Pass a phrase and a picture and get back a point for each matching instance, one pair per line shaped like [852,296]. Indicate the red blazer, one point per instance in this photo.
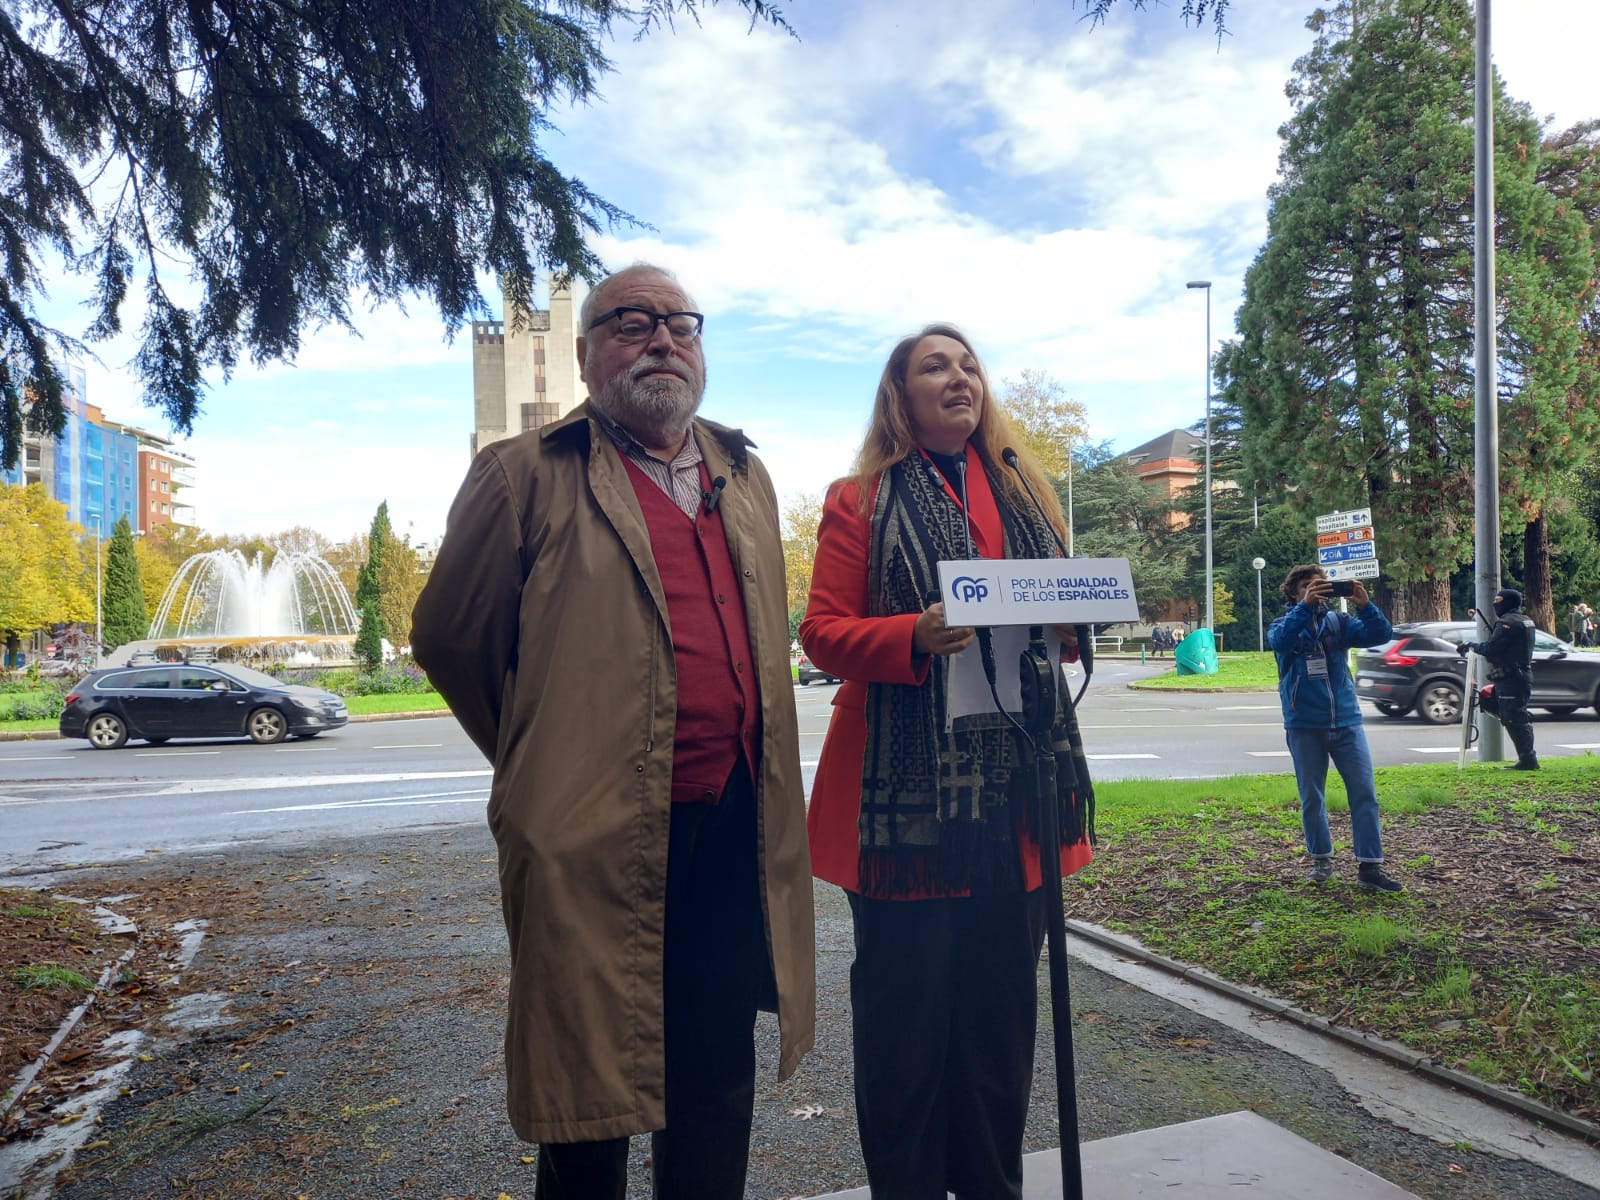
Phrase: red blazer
[842,639]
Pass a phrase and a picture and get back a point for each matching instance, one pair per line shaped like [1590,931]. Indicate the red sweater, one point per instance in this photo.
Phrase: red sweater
[718,709]
[841,638]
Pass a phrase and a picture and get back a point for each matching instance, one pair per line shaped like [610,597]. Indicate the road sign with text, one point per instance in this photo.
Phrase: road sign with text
[1346,545]
[1354,552]
[1353,518]
[1365,569]
[1340,536]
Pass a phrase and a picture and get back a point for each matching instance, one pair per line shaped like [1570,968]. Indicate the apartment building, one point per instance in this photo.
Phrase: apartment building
[104,470]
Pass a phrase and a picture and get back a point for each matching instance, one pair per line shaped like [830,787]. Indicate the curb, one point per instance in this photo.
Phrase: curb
[47,735]
[1383,1048]
[31,1072]
[1139,685]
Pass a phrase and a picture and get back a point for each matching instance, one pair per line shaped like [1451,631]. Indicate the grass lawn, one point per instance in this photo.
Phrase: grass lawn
[408,702]
[1486,962]
[1247,669]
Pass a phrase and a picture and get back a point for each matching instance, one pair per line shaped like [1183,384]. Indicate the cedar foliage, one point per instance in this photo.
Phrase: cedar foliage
[248,166]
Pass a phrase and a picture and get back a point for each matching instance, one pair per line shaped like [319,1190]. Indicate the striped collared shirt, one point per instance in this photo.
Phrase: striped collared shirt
[679,478]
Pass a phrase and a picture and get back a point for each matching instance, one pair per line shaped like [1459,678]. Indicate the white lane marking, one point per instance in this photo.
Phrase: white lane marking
[1268,753]
[1434,749]
[410,746]
[191,787]
[1105,757]
[38,758]
[1167,726]
[1578,745]
[471,796]
[269,783]
[175,753]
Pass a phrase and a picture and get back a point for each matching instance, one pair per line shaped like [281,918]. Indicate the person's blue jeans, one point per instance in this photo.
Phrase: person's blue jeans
[1312,749]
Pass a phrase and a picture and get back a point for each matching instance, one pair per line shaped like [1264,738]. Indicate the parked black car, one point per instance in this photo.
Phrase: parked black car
[1421,671]
[158,703]
[809,670]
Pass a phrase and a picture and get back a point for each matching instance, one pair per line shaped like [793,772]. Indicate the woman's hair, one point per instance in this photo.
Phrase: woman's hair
[889,437]
[1295,579]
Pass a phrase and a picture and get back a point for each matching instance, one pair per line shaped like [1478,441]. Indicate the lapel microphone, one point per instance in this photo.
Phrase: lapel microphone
[712,498]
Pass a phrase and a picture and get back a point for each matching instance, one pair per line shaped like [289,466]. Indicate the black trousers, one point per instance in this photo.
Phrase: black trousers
[717,970]
[1512,700]
[944,1007]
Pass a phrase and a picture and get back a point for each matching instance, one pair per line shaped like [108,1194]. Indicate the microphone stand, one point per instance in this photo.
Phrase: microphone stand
[1040,681]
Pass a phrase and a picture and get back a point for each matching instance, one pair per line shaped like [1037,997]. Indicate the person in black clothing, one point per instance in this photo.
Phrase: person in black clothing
[1509,652]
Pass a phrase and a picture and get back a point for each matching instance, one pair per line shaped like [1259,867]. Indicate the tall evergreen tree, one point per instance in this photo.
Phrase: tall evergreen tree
[125,617]
[369,591]
[1354,369]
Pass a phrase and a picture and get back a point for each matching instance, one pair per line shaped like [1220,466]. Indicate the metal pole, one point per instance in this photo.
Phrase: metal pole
[1261,636]
[1069,498]
[1486,419]
[99,593]
[1210,588]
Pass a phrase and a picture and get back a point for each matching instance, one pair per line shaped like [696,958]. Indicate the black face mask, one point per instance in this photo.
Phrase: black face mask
[1505,604]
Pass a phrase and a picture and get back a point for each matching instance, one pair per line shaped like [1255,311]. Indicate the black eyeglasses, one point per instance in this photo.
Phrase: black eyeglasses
[639,324]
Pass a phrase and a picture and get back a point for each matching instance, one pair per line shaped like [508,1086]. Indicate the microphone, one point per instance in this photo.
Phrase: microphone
[966,509]
[714,496]
[1085,632]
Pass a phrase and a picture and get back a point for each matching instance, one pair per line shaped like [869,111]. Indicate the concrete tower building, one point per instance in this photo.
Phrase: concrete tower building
[524,378]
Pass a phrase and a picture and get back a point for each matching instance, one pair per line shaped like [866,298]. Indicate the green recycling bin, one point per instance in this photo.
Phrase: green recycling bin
[1197,654]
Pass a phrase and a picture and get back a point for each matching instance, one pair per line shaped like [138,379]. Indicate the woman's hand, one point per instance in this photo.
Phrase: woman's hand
[1359,596]
[932,636]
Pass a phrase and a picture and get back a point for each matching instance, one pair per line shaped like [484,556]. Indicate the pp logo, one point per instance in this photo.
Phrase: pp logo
[968,590]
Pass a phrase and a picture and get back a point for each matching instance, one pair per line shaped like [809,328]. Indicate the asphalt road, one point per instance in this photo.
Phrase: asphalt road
[63,804]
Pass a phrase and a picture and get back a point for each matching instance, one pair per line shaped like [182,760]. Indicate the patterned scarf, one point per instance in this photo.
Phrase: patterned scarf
[938,808]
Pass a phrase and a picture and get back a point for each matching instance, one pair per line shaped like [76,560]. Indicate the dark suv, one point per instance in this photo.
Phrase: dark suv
[1421,670]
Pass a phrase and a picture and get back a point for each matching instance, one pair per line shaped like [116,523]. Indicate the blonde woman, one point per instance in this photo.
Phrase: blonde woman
[928,830]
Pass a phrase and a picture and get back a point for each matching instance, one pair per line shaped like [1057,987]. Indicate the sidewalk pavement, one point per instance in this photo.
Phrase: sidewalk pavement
[338,1035]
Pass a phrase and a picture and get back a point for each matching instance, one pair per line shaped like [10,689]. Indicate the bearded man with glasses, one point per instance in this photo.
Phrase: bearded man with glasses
[608,620]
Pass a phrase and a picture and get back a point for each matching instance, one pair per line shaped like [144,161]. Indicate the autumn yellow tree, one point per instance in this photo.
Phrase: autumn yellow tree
[1044,418]
[800,520]
[44,579]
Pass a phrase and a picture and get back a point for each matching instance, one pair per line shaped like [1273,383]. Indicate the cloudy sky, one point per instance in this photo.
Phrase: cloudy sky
[1047,185]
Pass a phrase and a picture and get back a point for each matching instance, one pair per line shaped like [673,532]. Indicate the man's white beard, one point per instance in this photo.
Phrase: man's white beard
[657,410]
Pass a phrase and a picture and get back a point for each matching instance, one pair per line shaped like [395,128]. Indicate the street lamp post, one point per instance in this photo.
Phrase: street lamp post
[1206,284]
[1069,496]
[99,601]
[1261,637]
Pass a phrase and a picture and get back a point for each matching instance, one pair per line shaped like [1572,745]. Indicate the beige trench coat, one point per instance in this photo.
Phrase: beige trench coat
[544,625]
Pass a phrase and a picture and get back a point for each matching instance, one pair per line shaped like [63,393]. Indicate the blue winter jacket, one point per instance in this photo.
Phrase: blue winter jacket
[1304,632]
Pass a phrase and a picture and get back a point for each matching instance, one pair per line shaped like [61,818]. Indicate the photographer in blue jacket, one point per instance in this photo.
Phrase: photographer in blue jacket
[1322,717]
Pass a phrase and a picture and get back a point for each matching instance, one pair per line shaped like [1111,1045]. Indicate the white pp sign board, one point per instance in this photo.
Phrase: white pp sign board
[1037,591]
[1346,547]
